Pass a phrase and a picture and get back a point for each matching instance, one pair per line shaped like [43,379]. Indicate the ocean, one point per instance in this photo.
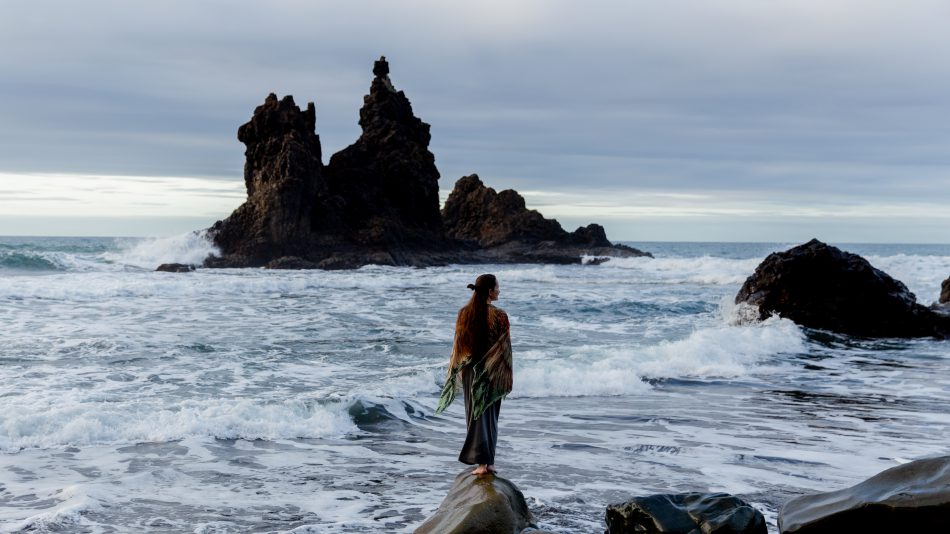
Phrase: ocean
[250,400]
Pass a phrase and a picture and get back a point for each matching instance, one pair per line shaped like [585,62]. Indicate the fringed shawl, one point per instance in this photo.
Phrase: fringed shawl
[493,371]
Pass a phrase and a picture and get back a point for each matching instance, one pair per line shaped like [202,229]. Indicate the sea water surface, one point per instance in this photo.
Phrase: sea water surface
[249,400]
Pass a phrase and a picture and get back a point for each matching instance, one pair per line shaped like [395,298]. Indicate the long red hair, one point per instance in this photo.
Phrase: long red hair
[471,329]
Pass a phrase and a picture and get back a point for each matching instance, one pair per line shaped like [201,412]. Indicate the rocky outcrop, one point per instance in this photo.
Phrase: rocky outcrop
[945,292]
[479,505]
[283,177]
[175,268]
[501,225]
[687,513]
[386,182]
[914,497]
[377,200]
[820,286]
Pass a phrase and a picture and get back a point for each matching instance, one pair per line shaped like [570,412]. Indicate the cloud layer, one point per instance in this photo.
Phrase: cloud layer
[786,108]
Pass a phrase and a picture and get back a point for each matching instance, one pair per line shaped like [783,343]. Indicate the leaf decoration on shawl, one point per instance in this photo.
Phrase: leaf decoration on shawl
[493,372]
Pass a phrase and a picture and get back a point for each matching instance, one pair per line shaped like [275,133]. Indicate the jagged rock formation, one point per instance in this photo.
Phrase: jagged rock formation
[283,176]
[476,213]
[914,497]
[387,181]
[377,200]
[945,292]
[820,286]
[501,225]
[479,504]
[686,513]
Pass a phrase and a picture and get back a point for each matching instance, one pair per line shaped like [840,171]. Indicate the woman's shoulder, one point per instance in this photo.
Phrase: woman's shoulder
[498,314]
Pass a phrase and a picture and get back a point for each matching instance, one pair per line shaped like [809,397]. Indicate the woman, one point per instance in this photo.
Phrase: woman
[481,365]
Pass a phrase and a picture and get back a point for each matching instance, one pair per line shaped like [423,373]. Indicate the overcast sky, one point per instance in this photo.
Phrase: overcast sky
[732,120]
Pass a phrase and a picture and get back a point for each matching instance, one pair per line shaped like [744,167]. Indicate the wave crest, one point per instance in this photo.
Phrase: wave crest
[190,248]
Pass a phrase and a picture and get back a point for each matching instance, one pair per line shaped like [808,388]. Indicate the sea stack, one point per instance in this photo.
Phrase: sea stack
[283,177]
[387,180]
[377,200]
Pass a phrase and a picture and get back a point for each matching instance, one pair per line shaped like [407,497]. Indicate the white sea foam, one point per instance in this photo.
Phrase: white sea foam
[70,422]
[921,274]
[717,352]
[67,514]
[707,270]
[140,371]
[190,248]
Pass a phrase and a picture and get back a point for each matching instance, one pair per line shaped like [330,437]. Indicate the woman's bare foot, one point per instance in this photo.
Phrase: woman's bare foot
[480,470]
[491,469]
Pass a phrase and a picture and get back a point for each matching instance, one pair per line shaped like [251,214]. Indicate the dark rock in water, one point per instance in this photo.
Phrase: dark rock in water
[290,262]
[503,227]
[175,268]
[688,513]
[377,196]
[591,235]
[283,177]
[914,497]
[945,292]
[820,286]
[386,182]
[377,200]
[486,504]
[476,213]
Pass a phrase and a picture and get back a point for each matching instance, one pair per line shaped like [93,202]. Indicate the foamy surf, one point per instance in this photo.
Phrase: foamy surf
[276,401]
[148,253]
[73,422]
[716,352]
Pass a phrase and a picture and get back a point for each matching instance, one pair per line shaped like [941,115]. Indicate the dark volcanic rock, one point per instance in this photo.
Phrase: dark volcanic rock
[175,268]
[476,213]
[485,504]
[282,174]
[387,181]
[945,292]
[690,513]
[501,225]
[376,201]
[820,286]
[914,497]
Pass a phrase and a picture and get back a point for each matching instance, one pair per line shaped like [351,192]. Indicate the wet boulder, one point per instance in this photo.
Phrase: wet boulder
[485,504]
[175,268]
[914,497]
[820,286]
[685,513]
[945,292]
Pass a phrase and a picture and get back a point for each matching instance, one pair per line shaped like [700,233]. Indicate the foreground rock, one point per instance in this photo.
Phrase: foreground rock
[479,505]
[375,202]
[504,229]
[175,268]
[689,513]
[820,286]
[914,497]
[945,292]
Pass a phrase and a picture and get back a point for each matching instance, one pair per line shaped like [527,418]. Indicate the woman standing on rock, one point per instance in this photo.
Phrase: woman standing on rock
[480,365]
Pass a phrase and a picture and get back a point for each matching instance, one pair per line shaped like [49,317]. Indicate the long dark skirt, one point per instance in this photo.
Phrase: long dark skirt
[479,447]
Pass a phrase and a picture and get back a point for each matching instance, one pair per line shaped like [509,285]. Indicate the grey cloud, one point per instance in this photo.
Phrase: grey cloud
[847,98]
